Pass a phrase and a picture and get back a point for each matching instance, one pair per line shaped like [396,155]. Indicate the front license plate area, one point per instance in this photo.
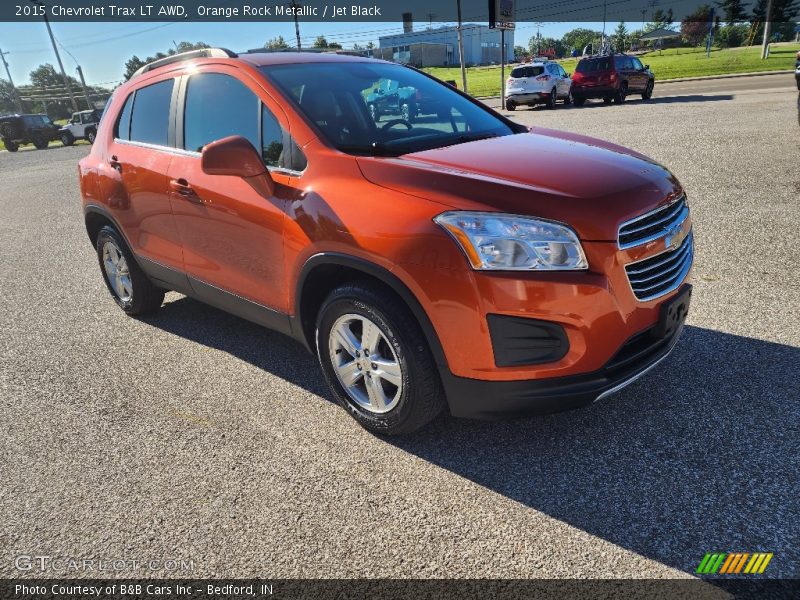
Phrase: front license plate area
[673,313]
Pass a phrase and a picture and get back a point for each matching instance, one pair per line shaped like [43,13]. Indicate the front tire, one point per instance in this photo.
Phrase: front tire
[133,292]
[91,135]
[40,143]
[67,139]
[648,91]
[578,100]
[406,112]
[376,360]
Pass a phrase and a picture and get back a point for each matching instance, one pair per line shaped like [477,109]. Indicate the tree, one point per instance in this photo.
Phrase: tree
[732,36]
[694,26]
[8,103]
[783,15]
[370,45]
[321,42]
[520,52]
[732,11]
[277,43]
[620,37]
[134,62]
[661,20]
[579,38]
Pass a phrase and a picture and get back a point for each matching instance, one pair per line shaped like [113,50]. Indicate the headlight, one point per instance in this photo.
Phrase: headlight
[500,242]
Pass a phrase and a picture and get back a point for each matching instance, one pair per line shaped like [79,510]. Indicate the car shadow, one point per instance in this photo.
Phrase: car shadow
[656,100]
[697,456]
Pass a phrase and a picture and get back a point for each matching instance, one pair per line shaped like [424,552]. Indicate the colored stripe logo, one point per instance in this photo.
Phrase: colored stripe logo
[734,563]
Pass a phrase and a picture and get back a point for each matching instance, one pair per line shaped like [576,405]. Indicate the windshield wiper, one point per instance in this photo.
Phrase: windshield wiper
[463,139]
[374,149]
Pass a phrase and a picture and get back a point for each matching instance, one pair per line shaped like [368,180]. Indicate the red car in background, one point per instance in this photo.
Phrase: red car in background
[612,78]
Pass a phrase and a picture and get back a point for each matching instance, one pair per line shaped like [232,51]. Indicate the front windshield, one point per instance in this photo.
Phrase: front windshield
[382,109]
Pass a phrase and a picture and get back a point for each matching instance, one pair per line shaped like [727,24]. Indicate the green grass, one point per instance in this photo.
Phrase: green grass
[669,64]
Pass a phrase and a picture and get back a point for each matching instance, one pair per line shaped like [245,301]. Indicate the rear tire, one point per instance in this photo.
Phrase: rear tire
[11,146]
[622,93]
[67,139]
[133,292]
[511,105]
[552,101]
[606,99]
[578,100]
[407,113]
[355,315]
[373,112]
[568,99]
[91,135]
[40,143]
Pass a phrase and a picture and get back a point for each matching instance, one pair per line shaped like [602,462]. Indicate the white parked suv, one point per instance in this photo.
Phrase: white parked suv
[82,126]
[538,82]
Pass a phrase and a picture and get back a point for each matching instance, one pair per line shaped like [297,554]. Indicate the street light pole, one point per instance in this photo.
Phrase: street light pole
[58,56]
[461,49]
[17,100]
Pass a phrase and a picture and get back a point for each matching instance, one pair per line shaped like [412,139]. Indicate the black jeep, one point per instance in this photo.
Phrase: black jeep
[16,130]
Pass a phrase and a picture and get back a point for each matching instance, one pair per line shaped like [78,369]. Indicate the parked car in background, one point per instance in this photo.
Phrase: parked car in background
[461,260]
[390,98]
[539,82]
[17,130]
[82,126]
[611,77]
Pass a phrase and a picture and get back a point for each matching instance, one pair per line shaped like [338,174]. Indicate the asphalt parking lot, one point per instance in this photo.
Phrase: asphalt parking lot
[193,435]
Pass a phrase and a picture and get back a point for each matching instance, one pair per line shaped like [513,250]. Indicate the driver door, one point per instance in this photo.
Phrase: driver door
[232,235]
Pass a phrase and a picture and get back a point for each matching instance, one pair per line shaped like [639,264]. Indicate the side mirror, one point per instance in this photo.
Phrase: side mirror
[647,67]
[569,75]
[234,156]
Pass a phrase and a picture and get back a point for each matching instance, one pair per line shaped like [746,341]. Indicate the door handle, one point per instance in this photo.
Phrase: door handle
[181,187]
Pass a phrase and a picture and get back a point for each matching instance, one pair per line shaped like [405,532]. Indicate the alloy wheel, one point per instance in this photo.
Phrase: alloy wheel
[365,363]
[117,271]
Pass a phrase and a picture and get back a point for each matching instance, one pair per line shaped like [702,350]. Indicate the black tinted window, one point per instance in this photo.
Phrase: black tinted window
[123,128]
[593,65]
[277,147]
[218,106]
[150,116]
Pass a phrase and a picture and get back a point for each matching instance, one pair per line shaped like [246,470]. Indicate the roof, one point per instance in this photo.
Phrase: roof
[660,34]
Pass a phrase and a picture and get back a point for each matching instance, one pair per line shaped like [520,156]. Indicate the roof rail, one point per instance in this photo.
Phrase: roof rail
[175,58]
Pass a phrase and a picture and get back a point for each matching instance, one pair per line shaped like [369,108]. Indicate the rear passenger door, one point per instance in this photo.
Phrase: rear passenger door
[133,175]
[232,235]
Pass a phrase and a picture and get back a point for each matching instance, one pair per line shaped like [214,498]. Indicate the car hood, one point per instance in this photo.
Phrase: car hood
[587,183]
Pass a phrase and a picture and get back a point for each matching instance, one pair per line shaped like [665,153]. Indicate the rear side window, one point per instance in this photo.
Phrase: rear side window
[150,115]
[122,130]
[218,106]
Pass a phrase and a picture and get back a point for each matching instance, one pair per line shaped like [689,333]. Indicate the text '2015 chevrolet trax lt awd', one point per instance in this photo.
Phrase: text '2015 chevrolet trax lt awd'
[457,260]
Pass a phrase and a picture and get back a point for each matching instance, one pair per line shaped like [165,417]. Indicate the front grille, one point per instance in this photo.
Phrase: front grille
[662,273]
[652,225]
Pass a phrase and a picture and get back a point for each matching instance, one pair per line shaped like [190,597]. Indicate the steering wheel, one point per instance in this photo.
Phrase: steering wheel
[394,122]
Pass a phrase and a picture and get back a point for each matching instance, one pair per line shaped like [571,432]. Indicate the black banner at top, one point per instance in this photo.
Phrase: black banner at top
[421,11]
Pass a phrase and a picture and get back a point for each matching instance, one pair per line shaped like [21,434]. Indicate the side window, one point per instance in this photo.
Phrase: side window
[216,107]
[150,115]
[637,64]
[122,130]
[277,147]
[619,63]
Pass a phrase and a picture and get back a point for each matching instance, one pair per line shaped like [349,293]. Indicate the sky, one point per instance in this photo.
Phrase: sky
[102,48]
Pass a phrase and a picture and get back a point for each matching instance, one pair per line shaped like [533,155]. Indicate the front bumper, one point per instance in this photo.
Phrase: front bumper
[483,399]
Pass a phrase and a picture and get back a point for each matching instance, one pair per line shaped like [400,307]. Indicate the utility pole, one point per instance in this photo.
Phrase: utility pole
[603,41]
[17,100]
[85,89]
[58,56]
[461,49]
[767,23]
[294,4]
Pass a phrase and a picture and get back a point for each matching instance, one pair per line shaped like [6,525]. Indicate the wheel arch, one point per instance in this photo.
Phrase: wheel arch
[324,271]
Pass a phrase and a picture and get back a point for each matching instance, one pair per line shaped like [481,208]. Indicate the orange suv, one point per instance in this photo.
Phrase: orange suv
[458,260]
